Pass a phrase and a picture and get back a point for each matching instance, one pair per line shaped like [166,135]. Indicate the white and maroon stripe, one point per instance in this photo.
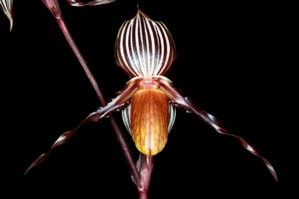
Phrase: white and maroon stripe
[144,47]
[6,5]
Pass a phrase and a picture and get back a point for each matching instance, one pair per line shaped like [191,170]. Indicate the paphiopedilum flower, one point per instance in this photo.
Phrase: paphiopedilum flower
[145,50]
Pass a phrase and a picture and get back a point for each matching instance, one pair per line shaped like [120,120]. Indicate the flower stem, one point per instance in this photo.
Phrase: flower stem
[53,6]
[145,165]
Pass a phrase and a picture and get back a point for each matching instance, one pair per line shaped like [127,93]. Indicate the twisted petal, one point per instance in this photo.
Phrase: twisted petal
[53,5]
[92,3]
[116,103]
[6,6]
[93,117]
[144,47]
[209,119]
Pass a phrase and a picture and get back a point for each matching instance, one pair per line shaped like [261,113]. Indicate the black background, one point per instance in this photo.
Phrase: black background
[231,62]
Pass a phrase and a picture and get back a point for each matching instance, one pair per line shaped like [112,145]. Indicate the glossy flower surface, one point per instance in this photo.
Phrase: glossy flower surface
[145,50]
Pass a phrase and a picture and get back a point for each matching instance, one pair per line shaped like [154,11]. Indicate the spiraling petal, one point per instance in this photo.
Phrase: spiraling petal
[62,139]
[114,104]
[92,3]
[6,6]
[144,47]
[53,5]
[209,119]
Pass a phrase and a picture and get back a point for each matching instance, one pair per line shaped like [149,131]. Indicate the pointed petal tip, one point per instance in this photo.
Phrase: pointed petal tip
[275,177]
[11,24]
[40,159]
[139,11]
[270,168]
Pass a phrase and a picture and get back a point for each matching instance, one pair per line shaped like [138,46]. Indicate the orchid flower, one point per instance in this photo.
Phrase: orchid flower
[145,50]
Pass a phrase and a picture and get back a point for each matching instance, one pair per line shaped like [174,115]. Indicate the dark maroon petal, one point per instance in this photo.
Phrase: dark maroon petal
[208,118]
[93,117]
[115,104]
[53,5]
[91,3]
